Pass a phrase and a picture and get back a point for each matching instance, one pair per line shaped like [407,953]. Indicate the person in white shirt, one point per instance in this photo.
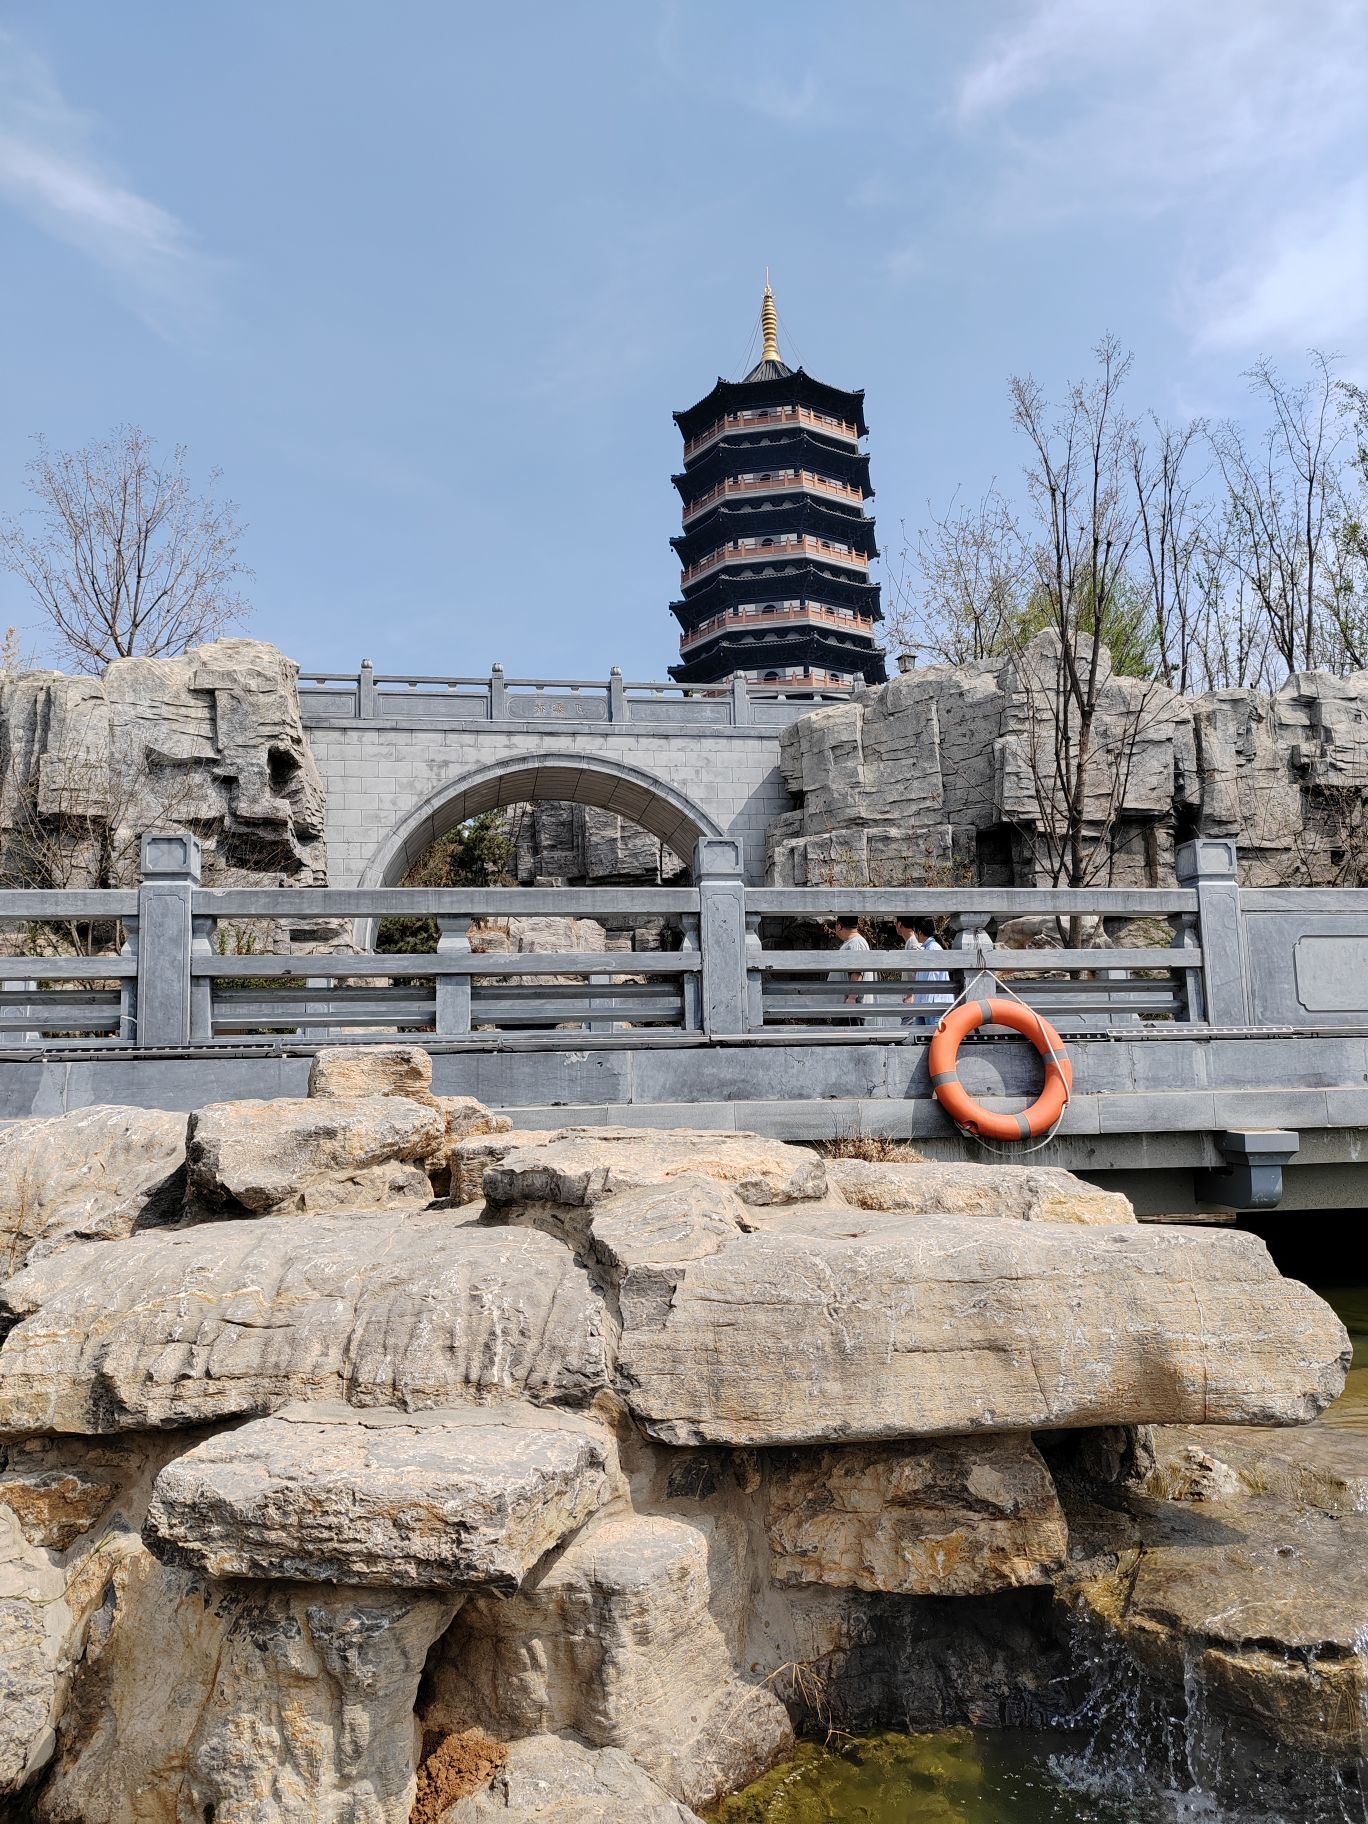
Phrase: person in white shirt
[918,933]
[848,930]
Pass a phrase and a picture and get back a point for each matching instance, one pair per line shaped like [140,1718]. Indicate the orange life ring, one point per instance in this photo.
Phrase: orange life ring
[1053,1099]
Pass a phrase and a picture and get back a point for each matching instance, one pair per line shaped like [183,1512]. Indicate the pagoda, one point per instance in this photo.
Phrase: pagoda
[776,545]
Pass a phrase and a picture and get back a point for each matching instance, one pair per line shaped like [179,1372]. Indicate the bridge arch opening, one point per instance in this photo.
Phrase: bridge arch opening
[608,785]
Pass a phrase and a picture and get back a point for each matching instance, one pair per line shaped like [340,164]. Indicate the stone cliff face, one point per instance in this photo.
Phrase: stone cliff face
[606,1470]
[942,776]
[212,741]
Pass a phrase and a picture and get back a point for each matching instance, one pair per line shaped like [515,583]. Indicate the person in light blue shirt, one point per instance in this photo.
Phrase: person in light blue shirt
[918,933]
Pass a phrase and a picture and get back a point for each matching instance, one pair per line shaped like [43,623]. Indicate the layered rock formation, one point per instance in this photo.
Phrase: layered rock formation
[665,1446]
[212,741]
[946,775]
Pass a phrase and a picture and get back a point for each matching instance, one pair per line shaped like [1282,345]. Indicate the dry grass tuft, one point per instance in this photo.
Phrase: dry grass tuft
[878,1149]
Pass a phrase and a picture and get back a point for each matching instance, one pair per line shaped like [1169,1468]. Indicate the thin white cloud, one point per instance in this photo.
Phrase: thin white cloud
[50,173]
[1239,121]
[1303,280]
[792,104]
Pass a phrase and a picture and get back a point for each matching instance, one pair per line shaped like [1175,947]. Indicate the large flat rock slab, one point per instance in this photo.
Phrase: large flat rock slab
[828,1325]
[578,1169]
[1021,1193]
[314,1153]
[95,1175]
[449,1500]
[233,1319]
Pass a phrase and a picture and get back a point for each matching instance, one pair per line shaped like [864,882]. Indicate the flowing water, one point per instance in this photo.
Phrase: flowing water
[1125,1767]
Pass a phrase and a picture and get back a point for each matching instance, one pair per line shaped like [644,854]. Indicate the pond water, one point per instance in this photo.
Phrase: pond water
[1350,1411]
[961,1776]
[982,1776]
[971,1776]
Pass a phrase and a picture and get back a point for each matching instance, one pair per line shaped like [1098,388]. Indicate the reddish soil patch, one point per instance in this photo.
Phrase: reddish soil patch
[452,1767]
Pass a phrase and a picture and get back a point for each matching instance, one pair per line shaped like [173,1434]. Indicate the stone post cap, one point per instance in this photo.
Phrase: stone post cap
[714,855]
[171,855]
[1208,858]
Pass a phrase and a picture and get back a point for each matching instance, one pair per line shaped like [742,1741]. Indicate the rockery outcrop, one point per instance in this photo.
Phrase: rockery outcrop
[366,1459]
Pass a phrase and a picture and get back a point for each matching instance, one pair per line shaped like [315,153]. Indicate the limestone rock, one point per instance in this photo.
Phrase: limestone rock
[371,1070]
[580,1169]
[468,1119]
[212,741]
[93,1175]
[958,1517]
[69,1513]
[55,1505]
[35,1623]
[553,1779]
[237,1318]
[323,1153]
[941,769]
[617,1640]
[1025,1193]
[1248,1605]
[452,1500]
[840,1325]
[470,1157]
[242,1702]
[311,1712]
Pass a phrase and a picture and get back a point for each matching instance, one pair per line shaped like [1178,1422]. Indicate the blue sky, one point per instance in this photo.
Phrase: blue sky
[426,280]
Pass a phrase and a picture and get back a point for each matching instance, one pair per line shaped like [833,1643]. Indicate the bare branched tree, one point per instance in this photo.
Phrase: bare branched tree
[1283,491]
[960,595]
[122,556]
[1087,516]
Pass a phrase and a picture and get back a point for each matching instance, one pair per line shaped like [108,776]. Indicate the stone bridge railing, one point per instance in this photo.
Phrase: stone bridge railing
[371,696]
[1206,954]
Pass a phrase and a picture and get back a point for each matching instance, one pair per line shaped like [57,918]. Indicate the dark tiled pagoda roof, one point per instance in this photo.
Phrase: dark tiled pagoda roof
[732,519]
[816,647]
[773,447]
[795,388]
[800,579]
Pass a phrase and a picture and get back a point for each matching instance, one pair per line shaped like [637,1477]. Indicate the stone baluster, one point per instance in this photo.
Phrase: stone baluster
[453,991]
[1189,981]
[691,985]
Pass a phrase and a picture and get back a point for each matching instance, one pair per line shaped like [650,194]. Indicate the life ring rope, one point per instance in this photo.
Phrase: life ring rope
[1037,1122]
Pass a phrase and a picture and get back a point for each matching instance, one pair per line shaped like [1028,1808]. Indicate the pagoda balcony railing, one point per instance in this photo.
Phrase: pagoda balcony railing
[848,619]
[783,544]
[777,414]
[787,483]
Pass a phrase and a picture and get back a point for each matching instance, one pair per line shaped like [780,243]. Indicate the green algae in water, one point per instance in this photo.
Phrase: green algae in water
[951,1777]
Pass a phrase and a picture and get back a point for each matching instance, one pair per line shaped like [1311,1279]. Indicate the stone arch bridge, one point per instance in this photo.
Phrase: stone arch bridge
[406,759]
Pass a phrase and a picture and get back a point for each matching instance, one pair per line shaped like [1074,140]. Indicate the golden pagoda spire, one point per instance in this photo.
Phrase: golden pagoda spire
[769,322]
